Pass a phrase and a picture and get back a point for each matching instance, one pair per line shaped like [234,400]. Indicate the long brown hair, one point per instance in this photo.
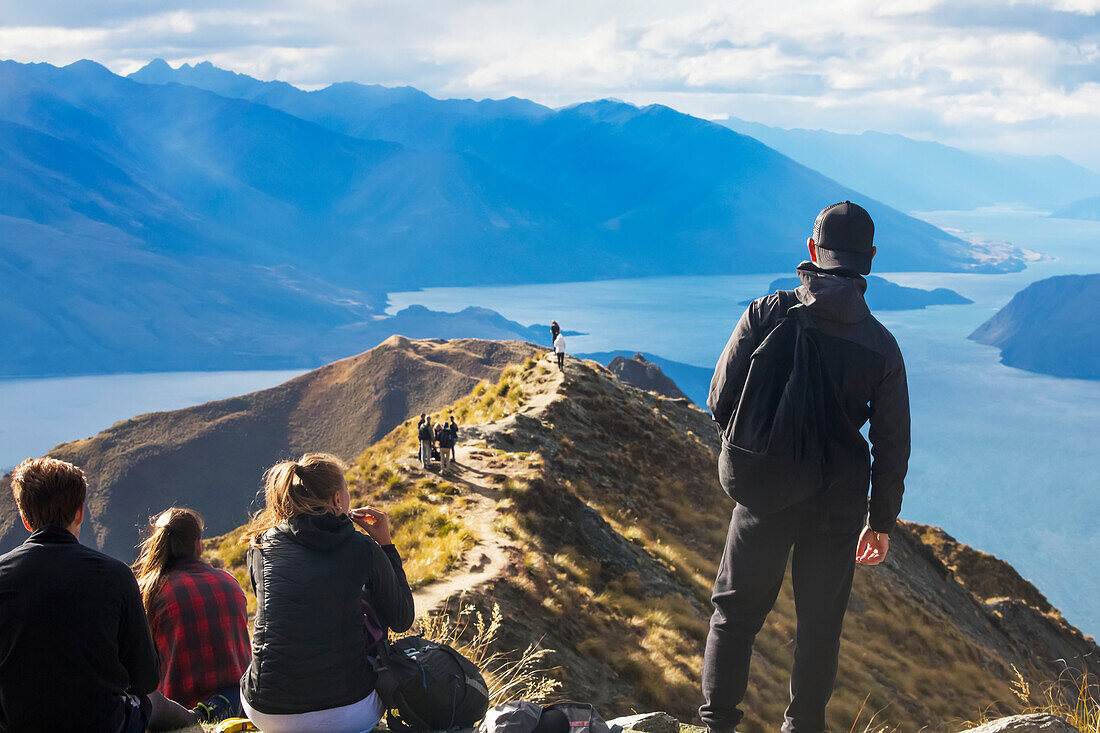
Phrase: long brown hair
[174,536]
[305,486]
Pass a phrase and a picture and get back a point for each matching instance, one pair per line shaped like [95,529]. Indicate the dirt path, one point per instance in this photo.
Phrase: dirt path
[478,474]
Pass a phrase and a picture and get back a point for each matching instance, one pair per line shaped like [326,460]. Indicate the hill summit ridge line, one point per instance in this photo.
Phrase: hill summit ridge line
[586,509]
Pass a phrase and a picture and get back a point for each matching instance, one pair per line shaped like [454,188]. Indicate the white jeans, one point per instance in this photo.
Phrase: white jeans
[359,717]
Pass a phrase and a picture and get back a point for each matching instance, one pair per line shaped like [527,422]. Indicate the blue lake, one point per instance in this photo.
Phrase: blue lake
[1002,459]
[37,414]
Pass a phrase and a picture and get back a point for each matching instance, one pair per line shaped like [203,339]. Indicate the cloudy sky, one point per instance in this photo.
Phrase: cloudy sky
[1014,76]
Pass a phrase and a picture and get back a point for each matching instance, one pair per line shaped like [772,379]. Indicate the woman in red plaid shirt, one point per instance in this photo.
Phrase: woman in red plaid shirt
[198,617]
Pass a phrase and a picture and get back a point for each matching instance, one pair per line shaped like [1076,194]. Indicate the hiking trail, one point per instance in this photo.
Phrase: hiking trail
[479,473]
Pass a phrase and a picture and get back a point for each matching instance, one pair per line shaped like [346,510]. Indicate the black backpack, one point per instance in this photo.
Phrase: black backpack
[775,447]
[430,687]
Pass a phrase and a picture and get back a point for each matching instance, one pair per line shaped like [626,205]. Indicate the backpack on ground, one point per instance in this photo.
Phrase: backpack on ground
[527,717]
[430,687]
[774,449]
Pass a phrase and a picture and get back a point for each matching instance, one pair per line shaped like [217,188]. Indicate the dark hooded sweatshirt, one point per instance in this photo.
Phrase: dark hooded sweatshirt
[865,363]
[309,648]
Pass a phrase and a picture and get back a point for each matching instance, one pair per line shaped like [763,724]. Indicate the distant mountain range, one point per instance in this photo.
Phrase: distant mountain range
[917,175]
[166,226]
[1049,327]
[1086,208]
[883,295]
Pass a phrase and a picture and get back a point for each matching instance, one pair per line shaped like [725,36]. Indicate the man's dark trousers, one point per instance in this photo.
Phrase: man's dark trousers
[749,578]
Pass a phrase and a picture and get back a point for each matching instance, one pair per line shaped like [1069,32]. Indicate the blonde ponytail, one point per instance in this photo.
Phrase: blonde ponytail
[174,535]
[305,486]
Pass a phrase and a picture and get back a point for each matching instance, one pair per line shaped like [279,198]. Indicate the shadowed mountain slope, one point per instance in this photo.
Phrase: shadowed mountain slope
[672,191]
[1049,327]
[211,457]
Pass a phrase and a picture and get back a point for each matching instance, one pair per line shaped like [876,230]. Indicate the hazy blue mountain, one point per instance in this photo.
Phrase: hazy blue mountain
[916,175]
[692,380]
[669,193]
[165,226]
[1049,327]
[1087,208]
[883,295]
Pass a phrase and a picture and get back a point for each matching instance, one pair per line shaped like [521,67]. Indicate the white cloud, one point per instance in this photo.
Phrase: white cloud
[1024,71]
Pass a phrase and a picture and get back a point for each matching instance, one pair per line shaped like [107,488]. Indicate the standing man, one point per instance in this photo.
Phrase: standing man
[559,350]
[75,647]
[857,353]
[443,440]
[453,426]
[424,434]
[555,329]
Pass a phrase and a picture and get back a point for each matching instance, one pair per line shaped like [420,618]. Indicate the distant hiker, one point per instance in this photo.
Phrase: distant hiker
[425,435]
[75,649]
[198,616]
[454,436]
[446,445]
[827,366]
[312,573]
[559,350]
[555,330]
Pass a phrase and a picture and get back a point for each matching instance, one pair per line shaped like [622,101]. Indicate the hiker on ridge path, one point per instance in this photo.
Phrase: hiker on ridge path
[453,427]
[559,350]
[816,358]
[555,329]
[425,435]
[443,440]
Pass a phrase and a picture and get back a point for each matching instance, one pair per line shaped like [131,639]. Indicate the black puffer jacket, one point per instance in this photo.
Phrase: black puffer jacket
[865,363]
[309,649]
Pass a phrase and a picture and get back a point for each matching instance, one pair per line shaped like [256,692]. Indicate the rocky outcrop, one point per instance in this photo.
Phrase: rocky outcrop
[639,372]
[1035,723]
[648,723]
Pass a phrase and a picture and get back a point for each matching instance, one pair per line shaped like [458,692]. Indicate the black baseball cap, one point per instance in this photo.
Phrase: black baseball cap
[844,237]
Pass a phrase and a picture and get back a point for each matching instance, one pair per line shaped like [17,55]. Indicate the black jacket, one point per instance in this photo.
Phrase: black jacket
[309,648]
[73,637]
[865,363]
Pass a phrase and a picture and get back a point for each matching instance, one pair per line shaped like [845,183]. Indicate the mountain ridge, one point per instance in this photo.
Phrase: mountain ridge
[613,520]
[925,175]
[613,524]
[125,194]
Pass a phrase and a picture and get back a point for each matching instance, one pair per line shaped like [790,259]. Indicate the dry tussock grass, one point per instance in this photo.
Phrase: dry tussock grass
[509,676]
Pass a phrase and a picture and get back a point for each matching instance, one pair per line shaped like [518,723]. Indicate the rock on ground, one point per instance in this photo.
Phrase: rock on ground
[648,723]
[1035,723]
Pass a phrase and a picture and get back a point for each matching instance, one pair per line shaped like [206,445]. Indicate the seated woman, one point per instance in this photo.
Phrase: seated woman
[312,573]
[198,617]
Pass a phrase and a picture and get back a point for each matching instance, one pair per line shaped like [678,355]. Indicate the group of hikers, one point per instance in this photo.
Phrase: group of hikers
[89,644]
[437,441]
[85,645]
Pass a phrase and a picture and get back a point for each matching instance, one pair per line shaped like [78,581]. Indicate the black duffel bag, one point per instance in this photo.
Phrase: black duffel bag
[430,687]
